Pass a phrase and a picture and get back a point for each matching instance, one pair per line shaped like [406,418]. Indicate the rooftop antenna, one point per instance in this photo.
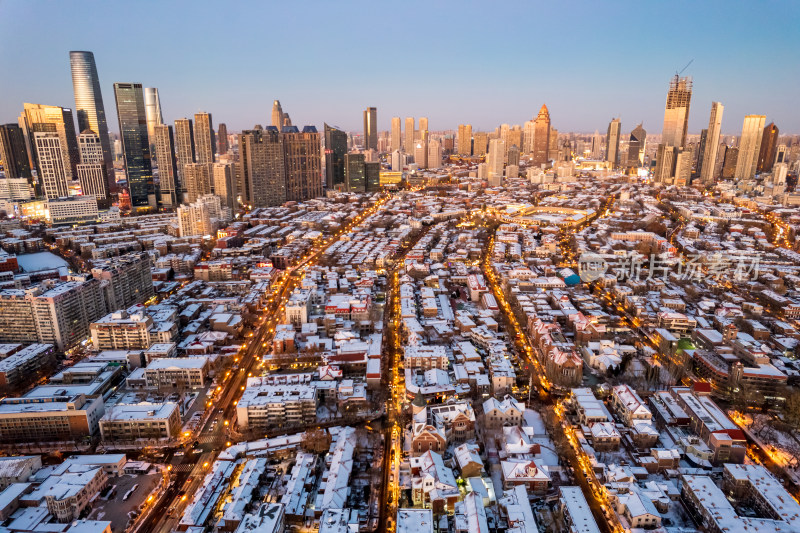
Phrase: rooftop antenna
[684,68]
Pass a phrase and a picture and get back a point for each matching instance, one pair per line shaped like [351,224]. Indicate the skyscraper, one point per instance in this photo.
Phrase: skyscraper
[541,138]
[152,109]
[204,142]
[13,153]
[397,134]
[371,128]
[303,163]
[222,139]
[434,154]
[198,181]
[709,156]
[528,133]
[225,184]
[597,145]
[769,143]
[261,173]
[184,146]
[409,136]
[277,114]
[480,140]
[612,142]
[676,112]
[749,146]
[52,119]
[135,143]
[355,172]
[89,107]
[92,169]
[495,160]
[422,141]
[372,176]
[465,139]
[164,143]
[52,168]
[636,146]
[335,150]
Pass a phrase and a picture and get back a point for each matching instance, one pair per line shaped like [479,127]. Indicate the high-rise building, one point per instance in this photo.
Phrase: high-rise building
[729,163]
[371,128]
[261,173]
[152,110]
[480,142]
[303,163]
[636,146]
[552,150]
[52,168]
[277,114]
[597,145]
[197,180]
[423,137]
[420,154]
[355,172]
[372,176]
[749,146]
[135,143]
[708,158]
[769,144]
[225,184]
[164,143]
[409,136]
[199,217]
[204,142]
[51,119]
[780,154]
[513,138]
[541,138]
[397,134]
[335,150]
[222,139]
[465,139]
[13,153]
[90,109]
[434,154]
[676,112]
[128,277]
[184,146]
[612,142]
[512,156]
[495,160]
[92,169]
[528,133]
[398,160]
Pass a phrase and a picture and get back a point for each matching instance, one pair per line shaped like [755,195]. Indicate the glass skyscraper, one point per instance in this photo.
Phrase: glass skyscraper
[135,143]
[335,150]
[89,107]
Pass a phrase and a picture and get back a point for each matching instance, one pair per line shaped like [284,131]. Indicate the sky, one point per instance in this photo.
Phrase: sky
[484,63]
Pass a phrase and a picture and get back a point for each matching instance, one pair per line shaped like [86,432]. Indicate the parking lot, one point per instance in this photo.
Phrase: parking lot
[118,510]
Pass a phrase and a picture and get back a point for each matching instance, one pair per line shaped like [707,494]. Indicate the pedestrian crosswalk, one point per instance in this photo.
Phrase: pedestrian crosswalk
[183,469]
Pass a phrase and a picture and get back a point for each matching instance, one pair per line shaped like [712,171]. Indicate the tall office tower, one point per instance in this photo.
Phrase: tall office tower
[420,154]
[494,161]
[225,184]
[197,180]
[769,144]
[528,133]
[277,114]
[434,154]
[164,143]
[52,168]
[135,144]
[152,110]
[204,142]
[423,138]
[749,146]
[780,154]
[676,112]
[303,163]
[729,163]
[683,166]
[597,145]
[514,138]
[541,138]
[612,142]
[512,155]
[708,157]
[423,128]
[262,173]
[480,141]
[335,150]
[636,146]
[371,128]
[504,129]
[398,160]
[465,139]
[355,172]
[397,134]
[409,136]
[552,150]
[222,139]
[200,217]
[90,109]
[184,143]
[372,176]
[92,169]
[51,119]
[13,152]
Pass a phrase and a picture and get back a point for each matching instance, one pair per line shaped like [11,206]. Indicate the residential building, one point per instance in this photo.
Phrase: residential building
[205,144]
[140,423]
[303,163]
[261,175]
[749,147]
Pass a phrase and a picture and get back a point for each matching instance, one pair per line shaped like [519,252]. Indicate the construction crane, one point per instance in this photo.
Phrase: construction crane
[684,68]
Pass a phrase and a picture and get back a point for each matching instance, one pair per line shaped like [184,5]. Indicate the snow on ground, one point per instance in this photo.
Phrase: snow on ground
[41,261]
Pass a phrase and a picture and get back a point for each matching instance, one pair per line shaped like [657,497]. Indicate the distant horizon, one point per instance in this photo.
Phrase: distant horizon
[587,71]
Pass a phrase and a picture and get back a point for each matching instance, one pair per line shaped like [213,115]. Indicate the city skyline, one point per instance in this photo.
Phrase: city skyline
[581,95]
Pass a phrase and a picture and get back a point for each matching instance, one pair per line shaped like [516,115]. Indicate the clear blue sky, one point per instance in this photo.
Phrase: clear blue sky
[484,63]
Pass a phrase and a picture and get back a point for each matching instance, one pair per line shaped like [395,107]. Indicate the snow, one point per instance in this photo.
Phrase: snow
[42,261]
